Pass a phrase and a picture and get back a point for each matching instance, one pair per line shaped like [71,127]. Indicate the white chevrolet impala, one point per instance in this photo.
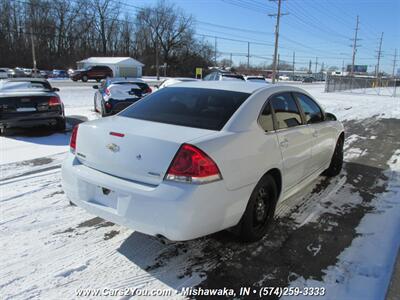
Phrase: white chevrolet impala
[200,157]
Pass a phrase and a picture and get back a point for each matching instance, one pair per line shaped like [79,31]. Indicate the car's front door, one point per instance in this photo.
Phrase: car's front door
[323,135]
[295,139]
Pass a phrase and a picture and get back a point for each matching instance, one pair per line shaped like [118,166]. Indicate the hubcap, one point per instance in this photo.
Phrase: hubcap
[261,208]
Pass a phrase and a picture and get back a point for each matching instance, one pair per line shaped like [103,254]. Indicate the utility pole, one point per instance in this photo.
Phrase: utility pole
[309,67]
[33,54]
[248,55]
[354,46]
[215,52]
[294,62]
[342,66]
[278,17]
[316,64]
[394,62]
[157,61]
[33,43]
[379,57]
[231,62]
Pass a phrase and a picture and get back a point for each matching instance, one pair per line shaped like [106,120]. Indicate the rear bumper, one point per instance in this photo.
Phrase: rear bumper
[30,119]
[176,211]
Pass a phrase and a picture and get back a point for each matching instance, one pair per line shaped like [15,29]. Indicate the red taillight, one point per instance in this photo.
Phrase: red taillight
[54,101]
[107,91]
[192,165]
[72,142]
[148,90]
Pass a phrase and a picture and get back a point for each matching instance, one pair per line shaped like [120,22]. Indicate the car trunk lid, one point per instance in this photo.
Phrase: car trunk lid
[24,102]
[132,149]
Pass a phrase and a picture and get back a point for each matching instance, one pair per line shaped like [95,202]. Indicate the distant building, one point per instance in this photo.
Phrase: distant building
[121,66]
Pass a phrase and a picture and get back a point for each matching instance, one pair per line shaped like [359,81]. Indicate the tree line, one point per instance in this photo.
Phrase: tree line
[66,31]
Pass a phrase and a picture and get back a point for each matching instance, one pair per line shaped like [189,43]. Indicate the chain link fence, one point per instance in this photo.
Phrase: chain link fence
[363,85]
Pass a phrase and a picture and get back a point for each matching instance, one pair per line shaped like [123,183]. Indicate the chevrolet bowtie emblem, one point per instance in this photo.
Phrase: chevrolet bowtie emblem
[113,147]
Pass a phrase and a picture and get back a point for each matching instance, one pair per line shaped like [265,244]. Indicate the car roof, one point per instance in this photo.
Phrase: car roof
[26,79]
[125,79]
[235,86]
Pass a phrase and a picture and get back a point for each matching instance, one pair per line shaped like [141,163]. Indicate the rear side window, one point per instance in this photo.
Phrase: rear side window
[191,107]
[311,109]
[286,111]
[266,120]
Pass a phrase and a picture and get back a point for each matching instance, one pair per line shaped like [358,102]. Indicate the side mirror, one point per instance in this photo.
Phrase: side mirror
[56,89]
[96,87]
[330,117]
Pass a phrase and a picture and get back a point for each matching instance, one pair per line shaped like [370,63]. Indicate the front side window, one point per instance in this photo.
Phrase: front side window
[311,109]
[266,120]
[191,107]
[286,111]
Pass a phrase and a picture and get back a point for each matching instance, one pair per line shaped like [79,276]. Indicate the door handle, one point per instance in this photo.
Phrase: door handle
[284,143]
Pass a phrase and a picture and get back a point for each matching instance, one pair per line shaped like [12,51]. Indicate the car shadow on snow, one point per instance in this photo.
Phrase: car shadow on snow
[300,244]
[45,135]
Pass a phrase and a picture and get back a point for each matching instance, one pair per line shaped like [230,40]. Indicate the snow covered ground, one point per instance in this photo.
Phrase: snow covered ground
[342,234]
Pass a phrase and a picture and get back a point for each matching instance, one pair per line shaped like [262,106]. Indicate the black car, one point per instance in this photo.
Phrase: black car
[26,102]
[308,79]
[116,94]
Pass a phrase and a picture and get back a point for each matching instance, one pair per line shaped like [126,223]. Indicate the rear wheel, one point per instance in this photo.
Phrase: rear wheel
[103,110]
[259,211]
[84,78]
[337,160]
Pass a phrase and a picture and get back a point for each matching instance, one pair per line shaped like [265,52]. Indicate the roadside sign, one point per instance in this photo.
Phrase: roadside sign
[199,73]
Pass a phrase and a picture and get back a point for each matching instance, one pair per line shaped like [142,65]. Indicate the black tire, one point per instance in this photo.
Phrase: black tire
[60,125]
[94,105]
[337,160]
[259,211]
[72,203]
[84,78]
[74,80]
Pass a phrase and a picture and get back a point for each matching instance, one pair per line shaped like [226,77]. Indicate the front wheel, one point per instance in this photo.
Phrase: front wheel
[84,78]
[337,160]
[259,211]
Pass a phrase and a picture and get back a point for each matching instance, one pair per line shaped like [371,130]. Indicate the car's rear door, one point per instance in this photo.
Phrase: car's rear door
[323,134]
[295,138]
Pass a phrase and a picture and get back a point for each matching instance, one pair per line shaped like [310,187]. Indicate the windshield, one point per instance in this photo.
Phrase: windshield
[191,107]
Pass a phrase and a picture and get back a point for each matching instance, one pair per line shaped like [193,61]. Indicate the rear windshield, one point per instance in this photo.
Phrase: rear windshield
[232,77]
[142,85]
[191,107]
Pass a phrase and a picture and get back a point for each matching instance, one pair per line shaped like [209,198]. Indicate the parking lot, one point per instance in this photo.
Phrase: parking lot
[327,236]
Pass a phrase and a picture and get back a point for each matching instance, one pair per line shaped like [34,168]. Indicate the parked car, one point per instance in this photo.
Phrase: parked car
[59,74]
[93,72]
[25,102]
[259,79]
[219,75]
[308,79]
[284,77]
[3,73]
[115,94]
[15,73]
[200,157]
[171,81]
[27,72]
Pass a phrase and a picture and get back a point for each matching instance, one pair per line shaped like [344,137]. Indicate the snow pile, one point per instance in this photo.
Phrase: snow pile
[364,269]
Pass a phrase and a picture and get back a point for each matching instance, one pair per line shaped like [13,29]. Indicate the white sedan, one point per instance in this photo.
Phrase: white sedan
[200,157]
